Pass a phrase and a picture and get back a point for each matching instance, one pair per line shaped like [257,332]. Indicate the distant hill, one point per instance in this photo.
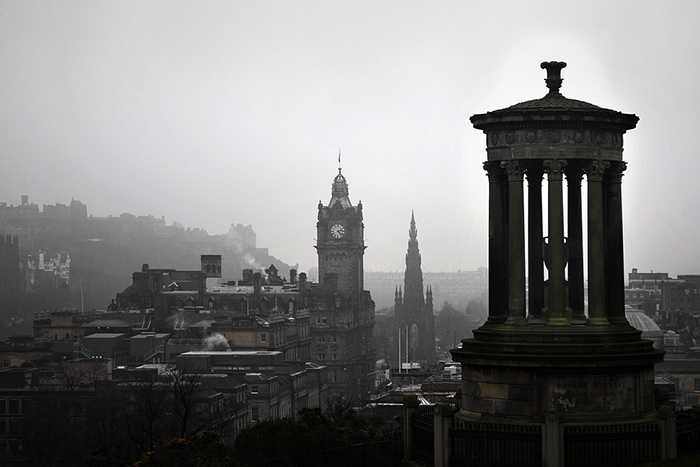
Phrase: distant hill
[106,251]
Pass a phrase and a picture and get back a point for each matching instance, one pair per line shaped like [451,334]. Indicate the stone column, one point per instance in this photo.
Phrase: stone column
[410,404]
[556,297]
[442,421]
[575,242]
[615,267]
[669,432]
[498,252]
[516,244]
[596,244]
[535,263]
[552,452]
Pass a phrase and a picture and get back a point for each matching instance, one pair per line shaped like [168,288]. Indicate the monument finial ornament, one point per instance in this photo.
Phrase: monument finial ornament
[554,78]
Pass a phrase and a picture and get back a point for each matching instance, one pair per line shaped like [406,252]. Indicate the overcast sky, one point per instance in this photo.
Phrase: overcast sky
[218,112]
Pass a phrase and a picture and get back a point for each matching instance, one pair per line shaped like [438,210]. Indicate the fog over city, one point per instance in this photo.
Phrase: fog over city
[218,112]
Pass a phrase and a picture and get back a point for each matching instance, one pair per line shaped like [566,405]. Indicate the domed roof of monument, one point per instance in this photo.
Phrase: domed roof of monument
[641,322]
[554,103]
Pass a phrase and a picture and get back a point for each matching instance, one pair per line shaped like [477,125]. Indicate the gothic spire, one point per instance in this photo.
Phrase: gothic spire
[412,232]
[413,280]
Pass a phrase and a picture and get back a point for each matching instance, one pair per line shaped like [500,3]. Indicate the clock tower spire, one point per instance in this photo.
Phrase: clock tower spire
[340,240]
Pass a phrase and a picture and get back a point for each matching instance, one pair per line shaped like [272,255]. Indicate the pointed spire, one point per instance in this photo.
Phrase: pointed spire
[413,232]
[413,279]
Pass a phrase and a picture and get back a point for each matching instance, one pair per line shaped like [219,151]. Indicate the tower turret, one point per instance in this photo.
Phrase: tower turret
[340,239]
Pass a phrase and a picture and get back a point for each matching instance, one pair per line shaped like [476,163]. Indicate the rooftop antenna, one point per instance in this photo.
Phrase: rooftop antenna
[339,166]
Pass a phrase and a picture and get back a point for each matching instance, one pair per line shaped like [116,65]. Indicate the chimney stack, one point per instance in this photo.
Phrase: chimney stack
[257,283]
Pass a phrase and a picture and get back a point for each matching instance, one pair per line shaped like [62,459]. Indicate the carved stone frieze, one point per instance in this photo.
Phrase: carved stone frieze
[555,136]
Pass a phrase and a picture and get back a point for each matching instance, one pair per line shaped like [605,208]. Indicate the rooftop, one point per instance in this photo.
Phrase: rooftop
[241,353]
[104,335]
[640,321]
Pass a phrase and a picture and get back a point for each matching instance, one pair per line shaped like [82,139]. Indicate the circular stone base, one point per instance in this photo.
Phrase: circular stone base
[600,374]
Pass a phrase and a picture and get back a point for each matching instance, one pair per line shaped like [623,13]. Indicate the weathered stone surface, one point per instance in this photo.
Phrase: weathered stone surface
[515,408]
[494,391]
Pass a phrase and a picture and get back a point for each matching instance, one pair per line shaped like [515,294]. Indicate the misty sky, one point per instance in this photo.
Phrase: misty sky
[218,112]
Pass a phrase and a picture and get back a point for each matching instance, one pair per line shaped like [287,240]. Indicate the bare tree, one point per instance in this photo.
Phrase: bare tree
[147,410]
[107,421]
[186,403]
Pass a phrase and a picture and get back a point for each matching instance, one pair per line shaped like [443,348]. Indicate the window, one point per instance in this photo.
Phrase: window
[3,406]
[335,339]
[26,405]
[323,320]
[263,337]
[697,384]
[76,406]
[254,414]
[14,406]
[254,389]
[14,427]
[335,356]
[322,339]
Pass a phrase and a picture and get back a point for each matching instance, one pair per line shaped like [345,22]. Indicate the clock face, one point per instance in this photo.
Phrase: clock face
[337,231]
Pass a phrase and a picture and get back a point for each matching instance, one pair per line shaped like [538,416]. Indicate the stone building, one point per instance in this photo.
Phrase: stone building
[329,323]
[414,310]
[342,311]
[11,277]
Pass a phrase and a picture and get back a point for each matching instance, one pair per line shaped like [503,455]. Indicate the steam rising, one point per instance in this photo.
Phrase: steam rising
[216,342]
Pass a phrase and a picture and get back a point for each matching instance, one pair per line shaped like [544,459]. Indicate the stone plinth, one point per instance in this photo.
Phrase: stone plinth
[583,374]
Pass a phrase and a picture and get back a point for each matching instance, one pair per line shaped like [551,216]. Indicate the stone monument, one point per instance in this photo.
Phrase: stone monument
[563,384]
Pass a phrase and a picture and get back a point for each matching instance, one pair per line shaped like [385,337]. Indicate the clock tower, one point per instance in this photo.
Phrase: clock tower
[340,240]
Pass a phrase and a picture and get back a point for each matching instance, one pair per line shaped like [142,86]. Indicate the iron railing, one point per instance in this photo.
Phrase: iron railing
[381,453]
[611,445]
[422,436]
[489,444]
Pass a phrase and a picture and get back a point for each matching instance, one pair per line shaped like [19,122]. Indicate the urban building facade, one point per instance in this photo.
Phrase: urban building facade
[342,311]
